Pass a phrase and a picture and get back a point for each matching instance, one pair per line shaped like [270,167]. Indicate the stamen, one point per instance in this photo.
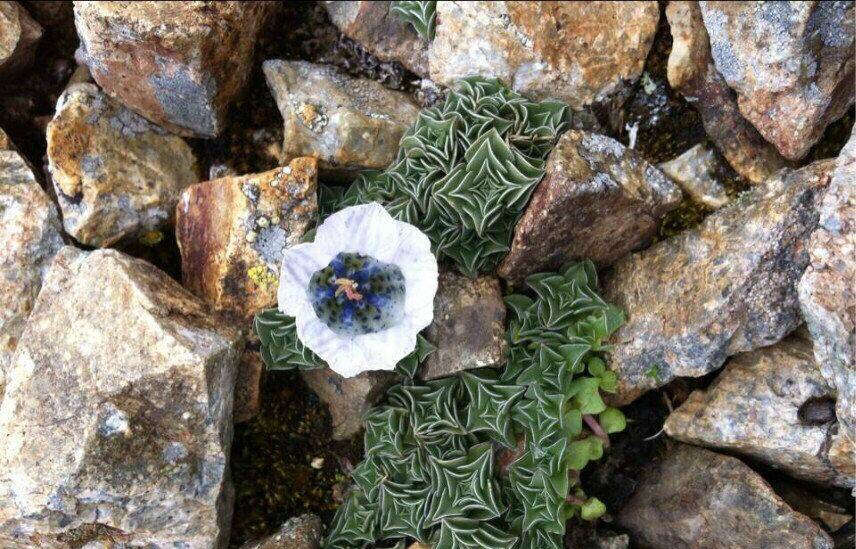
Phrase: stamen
[349,287]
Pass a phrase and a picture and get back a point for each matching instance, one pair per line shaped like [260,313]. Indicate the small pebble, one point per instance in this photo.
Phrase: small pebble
[286,170]
[251,236]
[317,463]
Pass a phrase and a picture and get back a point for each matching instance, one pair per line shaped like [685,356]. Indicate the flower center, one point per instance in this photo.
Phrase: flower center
[349,287]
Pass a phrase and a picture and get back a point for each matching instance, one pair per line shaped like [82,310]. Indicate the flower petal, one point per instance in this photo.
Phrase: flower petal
[299,263]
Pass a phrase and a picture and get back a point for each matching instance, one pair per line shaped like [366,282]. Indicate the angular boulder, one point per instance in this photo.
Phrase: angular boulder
[695,173]
[117,419]
[348,124]
[724,287]
[694,498]
[771,404]
[179,64]
[19,35]
[598,200]
[117,176]
[579,52]
[303,532]
[791,65]
[231,233]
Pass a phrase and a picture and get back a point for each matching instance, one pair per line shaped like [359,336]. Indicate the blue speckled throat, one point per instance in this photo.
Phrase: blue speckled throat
[357,294]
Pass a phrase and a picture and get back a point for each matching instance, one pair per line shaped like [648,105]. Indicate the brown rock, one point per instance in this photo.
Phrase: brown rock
[179,64]
[694,498]
[117,176]
[231,233]
[695,173]
[380,32]
[598,200]
[303,532]
[757,407]
[579,52]
[813,503]
[791,65]
[348,398]
[725,287]
[468,328]
[692,72]
[19,34]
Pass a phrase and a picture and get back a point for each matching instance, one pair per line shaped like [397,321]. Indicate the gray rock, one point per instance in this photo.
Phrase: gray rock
[348,124]
[724,287]
[598,200]
[468,328]
[694,498]
[791,65]
[760,405]
[117,176]
[695,173]
[303,532]
[826,290]
[348,398]
[19,35]
[118,411]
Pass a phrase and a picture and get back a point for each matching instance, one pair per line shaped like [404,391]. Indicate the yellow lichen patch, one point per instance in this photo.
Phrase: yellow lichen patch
[262,276]
[151,238]
[308,113]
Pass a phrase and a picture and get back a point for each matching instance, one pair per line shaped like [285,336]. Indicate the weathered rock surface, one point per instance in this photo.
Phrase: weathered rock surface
[348,398]
[468,328]
[818,505]
[579,52]
[30,231]
[692,72]
[179,64]
[118,411]
[725,287]
[826,290]
[791,65]
[761,405]
[598,200]
[697,499]
[348,124]
[231,233]
[303,532]
[117,176]
[19,35]
[382,33]
[695,173]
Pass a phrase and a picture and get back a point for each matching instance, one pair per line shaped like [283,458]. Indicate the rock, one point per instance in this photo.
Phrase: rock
[826,291]
[52,13]
[791,65]
[30,231]
[724,287]
[692,72]
[179,64]
[382,33]
[694,498]
[231,233]
[348,124]
[468,328]
[19,34]
[118,411]
[578,52]
[757,406]
[348,398]
[419,545]
[598,200]
[814,504]
[117,176]
[695,173]
[303,532]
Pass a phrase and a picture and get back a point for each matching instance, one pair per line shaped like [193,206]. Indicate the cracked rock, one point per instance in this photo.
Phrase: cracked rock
[19,36]
[695,172]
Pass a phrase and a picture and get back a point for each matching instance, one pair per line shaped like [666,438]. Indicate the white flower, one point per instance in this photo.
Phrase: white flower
[362,291]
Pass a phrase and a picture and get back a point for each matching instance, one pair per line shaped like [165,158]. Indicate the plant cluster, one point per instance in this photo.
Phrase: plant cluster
[465,171]
[422,15]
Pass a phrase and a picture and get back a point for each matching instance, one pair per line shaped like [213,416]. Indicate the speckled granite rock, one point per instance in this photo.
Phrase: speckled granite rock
[380,32]
[348,124]
[30,231]
[696,499]
[791,65]
[19,35]
[695,173]
[598,200]
[303,532]
[692,72]
[179,64]
[579,52]
[348,398]
[725,287]
[468,328]
[754,408]
[118,410]
[117,176]
[231,233]
[826,291]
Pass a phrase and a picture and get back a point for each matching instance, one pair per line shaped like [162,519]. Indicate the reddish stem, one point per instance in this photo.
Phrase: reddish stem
[596,429]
